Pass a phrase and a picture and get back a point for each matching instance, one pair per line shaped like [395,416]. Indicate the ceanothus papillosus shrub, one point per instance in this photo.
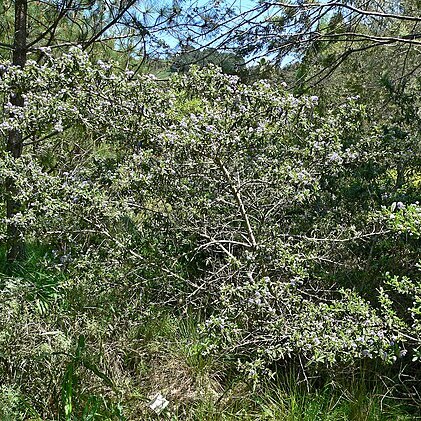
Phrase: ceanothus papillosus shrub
[247,173]
[204,193]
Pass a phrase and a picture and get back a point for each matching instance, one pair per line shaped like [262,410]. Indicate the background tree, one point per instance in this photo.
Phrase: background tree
[230,63]
[291,31]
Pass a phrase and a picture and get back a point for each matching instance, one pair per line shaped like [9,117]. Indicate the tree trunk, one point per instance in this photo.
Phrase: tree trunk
[400,176]
[14,140]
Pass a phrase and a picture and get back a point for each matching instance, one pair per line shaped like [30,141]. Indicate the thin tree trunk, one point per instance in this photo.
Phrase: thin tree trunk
[400,175]
[14,140]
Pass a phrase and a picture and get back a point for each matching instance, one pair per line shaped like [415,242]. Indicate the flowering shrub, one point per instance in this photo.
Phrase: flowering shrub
[251,172]
[404,219]
[268,321]
[242,200]
[403,292]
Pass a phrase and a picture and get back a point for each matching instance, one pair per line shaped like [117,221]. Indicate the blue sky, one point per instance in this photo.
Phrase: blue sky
[241,5]
[244,4]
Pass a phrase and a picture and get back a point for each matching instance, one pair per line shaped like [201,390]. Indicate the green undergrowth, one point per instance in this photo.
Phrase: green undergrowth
[107,361]
[214,391]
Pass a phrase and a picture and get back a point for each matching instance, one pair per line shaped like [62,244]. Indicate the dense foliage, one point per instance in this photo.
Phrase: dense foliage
[293,230]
